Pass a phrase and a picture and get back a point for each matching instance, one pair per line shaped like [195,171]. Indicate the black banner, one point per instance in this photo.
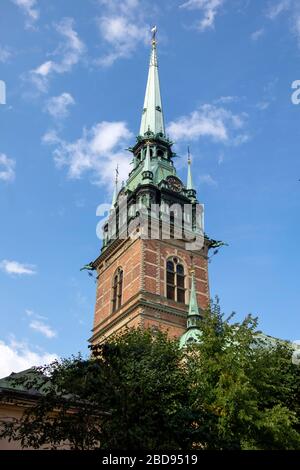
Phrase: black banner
[136,459]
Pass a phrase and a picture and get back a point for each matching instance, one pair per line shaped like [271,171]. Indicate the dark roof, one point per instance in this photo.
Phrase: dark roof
[7,384]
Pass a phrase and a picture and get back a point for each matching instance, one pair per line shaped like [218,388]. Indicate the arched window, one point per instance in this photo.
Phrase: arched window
[180,283]
[117,289]
[175,280]
[170,280]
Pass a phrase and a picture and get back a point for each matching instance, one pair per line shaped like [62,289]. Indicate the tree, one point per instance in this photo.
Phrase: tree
[246,393]
[132,394]
[140,391]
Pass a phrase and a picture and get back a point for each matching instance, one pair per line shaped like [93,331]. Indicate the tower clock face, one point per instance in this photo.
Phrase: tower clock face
[174,183]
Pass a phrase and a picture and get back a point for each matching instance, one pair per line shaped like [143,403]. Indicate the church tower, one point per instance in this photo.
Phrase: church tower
[153,260]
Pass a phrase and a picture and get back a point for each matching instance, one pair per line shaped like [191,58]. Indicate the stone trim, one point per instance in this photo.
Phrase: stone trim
[140,303]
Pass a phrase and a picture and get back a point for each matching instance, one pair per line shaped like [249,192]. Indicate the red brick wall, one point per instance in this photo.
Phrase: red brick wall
[144,271]
[157,253]
[129,259]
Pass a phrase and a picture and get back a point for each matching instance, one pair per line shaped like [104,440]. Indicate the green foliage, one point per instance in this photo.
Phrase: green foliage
[140,391]
[246,394]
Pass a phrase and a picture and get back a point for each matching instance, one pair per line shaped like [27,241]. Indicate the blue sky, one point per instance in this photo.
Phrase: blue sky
[75,73]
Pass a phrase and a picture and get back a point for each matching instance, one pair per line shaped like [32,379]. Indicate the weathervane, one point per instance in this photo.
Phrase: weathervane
[117,174]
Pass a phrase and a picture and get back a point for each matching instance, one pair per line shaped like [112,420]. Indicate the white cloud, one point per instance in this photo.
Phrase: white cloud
[269,95]
[276,9]
[15,268]
[122,27]
[44,69]
[263,105]
[73,47]
[227,99]
[97,152]
[51,138]
[29,9]
[32,314]
[257,34]
[58,106]
[38,323]
[217,123]
[292,8]
[7,168]
[70,52]
[5,54]
[296,26]
[220,158]
[16,356]
[240,139]
[42,328]
[209,180]
[209,9]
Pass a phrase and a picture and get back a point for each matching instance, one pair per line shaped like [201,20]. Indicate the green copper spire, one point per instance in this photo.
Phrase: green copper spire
[152,118]
[147,172]
[193,332]
[189,184]
[115,194]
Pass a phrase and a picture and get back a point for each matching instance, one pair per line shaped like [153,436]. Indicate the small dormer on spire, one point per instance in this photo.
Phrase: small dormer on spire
[152,117]
[115,193]
[147,172]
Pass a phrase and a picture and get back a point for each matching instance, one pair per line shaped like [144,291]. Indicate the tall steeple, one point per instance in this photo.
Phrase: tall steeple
[152,118]
[189,184]
[150,239]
